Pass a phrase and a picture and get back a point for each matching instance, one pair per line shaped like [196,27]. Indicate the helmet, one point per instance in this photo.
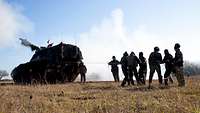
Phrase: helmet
[156,48]
[177,46]
[113,57]
[125,53]
[140,53]
[166,51]
[132,53]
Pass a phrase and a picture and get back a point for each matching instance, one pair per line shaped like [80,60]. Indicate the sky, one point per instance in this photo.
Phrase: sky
[101,28]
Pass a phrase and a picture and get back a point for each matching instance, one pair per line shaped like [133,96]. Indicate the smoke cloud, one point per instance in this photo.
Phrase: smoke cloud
[12,23]
[112,38]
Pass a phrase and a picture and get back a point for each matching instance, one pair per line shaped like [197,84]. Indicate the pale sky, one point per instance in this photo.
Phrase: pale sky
[101,28]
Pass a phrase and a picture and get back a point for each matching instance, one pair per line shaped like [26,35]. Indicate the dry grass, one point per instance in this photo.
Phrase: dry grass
[100,97]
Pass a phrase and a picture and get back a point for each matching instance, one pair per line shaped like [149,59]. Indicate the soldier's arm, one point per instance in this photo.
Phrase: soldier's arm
[179,57]
[160,58]
[150,58]
[171,58]
[145,60]
[138,60]
[164,60]
[85,69]
[118,62]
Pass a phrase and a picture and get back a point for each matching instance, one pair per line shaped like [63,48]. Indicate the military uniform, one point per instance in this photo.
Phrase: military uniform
[133,62]
[168,60]
[178,64]
[124,66]
[142,69]
[114,69]
[155,59]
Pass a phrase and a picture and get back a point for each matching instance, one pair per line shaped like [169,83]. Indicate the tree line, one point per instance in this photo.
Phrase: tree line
[191,68]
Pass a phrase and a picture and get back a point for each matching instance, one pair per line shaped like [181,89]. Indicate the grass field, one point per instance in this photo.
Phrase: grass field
[100,97]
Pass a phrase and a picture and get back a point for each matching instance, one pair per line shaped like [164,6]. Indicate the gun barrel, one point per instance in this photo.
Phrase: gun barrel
[26,43]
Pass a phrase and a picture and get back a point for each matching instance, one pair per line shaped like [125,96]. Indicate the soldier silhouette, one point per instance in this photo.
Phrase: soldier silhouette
[49,44]
[124,66]
[133,62]
[178,65]
[143,68]
[114,68]
[83,71]
[155,59]
[168,60]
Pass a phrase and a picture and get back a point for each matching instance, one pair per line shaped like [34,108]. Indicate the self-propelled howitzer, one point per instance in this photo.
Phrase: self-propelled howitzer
[57,64]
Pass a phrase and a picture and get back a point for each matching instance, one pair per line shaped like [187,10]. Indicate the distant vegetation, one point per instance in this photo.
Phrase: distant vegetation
[191,68]
[3,73]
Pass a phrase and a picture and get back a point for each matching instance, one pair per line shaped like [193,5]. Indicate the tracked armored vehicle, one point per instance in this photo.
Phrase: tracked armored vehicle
[56,64]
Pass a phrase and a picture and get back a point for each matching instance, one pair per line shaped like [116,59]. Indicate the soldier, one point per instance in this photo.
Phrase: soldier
[178,65]
[49,44]
[168,60]
[143,68]
[155,59]
[133,62]
[83,71]
[124,66]
[114,68]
